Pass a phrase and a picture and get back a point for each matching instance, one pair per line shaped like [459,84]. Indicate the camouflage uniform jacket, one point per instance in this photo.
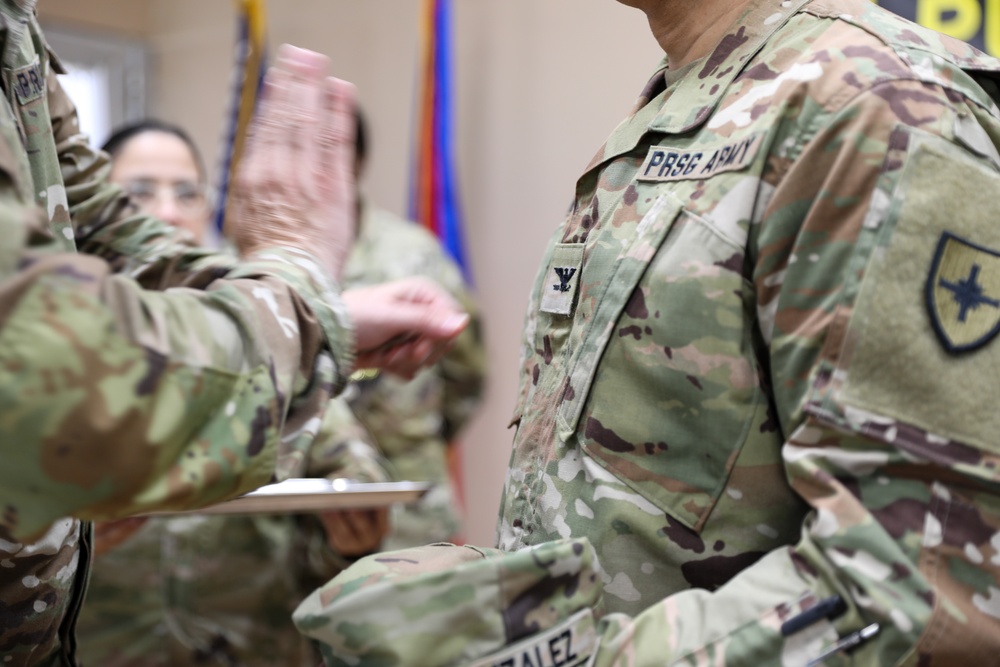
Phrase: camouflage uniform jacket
[114,399]
[760,361]
[214,590]
[414,421]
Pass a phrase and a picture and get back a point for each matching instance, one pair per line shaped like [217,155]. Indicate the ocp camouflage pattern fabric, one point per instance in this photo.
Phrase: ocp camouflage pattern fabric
[760,362]
[114,399]
[414,421]
[419,591]
[220,590]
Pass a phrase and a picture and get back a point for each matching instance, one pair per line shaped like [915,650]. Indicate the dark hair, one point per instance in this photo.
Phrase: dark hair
[125,133]
[360,135]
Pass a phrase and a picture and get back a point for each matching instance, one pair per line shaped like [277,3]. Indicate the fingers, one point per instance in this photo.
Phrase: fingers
[403,326]
[448,326]
[338,534]
[300,114]
[435,322]
[355,532]
[288,111]
[304,112]
[371,527]
[109,534]
[263,134]
[335,135]
[381,522]
[333,170]
[423,290]
[405,360]
[277,198]
[408,358]
[438,350]
[293,56]
[445,319]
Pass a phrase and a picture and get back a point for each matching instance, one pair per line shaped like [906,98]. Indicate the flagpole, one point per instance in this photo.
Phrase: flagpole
[433,194]
[248,75]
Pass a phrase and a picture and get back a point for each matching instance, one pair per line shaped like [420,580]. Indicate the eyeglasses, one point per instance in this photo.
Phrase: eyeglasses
[187,196]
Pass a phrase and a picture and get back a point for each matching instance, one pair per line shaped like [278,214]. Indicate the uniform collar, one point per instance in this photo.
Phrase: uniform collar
[703,87]
[698,87]
[19,10]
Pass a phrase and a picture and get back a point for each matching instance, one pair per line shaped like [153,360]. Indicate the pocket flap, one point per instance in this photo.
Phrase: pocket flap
[620,283]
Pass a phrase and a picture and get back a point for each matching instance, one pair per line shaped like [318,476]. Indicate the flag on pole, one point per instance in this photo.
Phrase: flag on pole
[248,75]
[434,201]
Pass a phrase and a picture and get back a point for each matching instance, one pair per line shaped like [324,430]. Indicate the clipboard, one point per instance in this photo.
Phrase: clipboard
[309,495]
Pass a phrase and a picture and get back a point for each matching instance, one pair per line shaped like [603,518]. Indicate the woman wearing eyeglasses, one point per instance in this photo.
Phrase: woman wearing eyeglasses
[161,170]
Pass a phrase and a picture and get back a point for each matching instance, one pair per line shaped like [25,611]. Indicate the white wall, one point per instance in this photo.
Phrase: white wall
[540,84]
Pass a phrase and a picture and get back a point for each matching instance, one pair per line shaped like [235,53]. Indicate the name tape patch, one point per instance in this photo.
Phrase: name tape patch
[572,643]
[666,164]
[28,83]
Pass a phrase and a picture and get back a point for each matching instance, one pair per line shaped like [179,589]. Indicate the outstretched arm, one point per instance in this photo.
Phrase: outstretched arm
[119,400]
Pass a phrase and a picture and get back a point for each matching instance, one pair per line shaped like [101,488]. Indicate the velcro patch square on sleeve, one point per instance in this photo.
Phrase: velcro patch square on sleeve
[922,347]
[562,279]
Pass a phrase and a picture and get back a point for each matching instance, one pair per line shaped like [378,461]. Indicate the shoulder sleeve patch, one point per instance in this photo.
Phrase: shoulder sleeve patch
[963,293]
[922,352]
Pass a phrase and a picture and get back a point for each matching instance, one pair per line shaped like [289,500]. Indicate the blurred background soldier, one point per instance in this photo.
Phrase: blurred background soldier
[415,421]
[202,589]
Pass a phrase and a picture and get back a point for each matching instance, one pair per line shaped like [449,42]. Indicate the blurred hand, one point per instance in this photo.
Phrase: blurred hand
[405,325]
[355,533]
[110,534]
[295,184]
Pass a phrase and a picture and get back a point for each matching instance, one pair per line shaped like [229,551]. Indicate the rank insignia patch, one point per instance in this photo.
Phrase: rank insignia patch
[963,293]
[563,279]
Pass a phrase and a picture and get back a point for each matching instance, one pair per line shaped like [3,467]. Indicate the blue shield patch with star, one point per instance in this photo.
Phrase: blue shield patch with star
[963,293]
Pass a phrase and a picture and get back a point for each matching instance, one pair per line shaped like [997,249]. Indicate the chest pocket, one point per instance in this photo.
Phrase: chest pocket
[676,390]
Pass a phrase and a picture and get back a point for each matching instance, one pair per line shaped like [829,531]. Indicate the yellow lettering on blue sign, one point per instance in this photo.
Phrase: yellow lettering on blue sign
[961,19]
[973,21]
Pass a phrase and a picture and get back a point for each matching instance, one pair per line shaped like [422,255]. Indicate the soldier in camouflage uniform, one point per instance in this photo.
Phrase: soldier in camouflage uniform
[216,590]
[211,589]
[144,373]
[414,421]
[760,372]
